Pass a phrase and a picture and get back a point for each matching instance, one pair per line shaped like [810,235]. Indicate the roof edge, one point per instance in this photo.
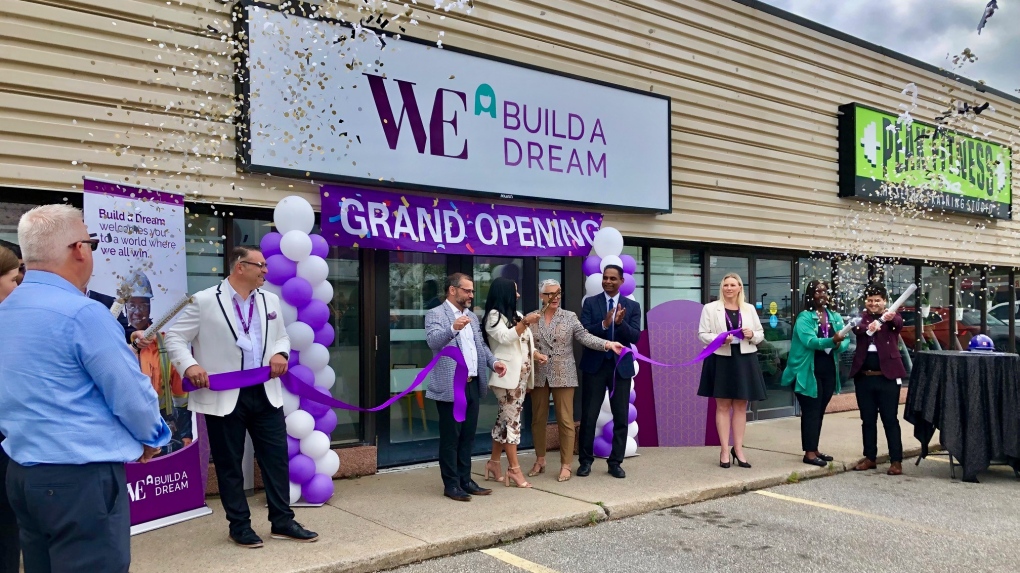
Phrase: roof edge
[812,25]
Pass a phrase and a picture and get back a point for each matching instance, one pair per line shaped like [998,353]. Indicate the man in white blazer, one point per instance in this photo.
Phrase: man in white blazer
[237,326]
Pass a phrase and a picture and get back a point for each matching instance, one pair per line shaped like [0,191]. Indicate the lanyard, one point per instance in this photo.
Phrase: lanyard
[251,310]
[825,326]
[729,323]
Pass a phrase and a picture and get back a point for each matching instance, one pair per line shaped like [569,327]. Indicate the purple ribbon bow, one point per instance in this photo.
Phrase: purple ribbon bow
[244,378]
[712,347]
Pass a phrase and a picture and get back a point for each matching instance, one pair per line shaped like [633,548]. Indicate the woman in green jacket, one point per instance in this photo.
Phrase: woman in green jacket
[813,365]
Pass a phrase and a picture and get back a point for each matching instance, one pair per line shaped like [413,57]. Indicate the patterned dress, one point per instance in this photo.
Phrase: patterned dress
[511,404]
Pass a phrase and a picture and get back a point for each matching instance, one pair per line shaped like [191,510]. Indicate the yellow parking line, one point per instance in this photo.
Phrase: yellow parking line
[516,561]
[892,520]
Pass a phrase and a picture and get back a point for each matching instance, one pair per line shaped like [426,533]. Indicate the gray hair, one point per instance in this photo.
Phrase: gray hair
[548,282]
[45,232]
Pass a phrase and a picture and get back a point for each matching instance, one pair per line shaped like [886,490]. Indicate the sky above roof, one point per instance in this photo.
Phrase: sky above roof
[932,31]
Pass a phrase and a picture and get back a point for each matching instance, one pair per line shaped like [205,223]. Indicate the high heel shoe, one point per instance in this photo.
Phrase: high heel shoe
[723,464]
[513,480]
[541,469]
[494,473]
[569,474]
[733,454]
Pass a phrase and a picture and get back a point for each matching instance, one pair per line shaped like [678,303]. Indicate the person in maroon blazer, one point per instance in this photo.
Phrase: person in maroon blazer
[878,374]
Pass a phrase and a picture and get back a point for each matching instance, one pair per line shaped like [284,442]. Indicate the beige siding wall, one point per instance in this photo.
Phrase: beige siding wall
[136,91]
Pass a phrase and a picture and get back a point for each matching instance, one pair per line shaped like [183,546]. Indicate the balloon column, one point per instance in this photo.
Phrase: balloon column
[297,273]
[608,246]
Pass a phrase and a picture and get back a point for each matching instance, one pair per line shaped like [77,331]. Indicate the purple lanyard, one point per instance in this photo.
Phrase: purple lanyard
[824,326]
[729,323]
[251,310]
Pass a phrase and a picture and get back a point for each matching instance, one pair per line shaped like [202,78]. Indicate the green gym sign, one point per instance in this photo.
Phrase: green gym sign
[882,160]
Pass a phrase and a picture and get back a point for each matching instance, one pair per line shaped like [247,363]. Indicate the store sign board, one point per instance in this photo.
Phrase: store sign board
[395,221]
[881,160]
[416,116]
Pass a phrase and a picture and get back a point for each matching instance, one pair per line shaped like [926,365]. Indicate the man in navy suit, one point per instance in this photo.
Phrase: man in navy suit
[612,317]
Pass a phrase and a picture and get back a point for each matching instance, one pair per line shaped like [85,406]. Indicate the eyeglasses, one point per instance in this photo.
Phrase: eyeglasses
[553,295]
[93,244]
[262,266]
[469,291]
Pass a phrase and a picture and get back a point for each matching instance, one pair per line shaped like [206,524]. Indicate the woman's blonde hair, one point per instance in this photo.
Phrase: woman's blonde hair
[740,293]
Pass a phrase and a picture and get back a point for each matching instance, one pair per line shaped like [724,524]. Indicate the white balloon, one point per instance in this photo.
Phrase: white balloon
[300,424]
[328,463]
[593,284]
[270,287]
[632,430]
[325,378]
[313,269]
[293,213]
[636,370]
[289,312]
[296,245]
[315,444]
[323,291]
[315,357]
[606,407]
[610,260]
[301,336]
[607,241]
[295,493]
[631,297]
[604,417]
[631,448]
[291,402]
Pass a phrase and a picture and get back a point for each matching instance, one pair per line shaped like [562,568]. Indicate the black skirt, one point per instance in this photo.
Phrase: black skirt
[736,377]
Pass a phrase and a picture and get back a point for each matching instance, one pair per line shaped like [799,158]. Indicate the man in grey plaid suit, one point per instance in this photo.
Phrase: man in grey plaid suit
[453,322]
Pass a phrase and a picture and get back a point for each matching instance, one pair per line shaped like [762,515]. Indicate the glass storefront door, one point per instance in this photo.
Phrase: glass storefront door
[773,288]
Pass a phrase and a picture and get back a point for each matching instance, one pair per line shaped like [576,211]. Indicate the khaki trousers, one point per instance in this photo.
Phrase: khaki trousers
[563,401]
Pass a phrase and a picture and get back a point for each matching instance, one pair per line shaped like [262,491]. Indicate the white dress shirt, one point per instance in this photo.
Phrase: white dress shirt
[616,304]
[467,340]
[250,343]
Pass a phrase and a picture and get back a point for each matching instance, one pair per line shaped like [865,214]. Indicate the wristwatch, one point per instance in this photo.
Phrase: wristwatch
[286,356]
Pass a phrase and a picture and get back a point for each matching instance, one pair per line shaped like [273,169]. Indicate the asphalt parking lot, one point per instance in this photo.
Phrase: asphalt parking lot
[922,521]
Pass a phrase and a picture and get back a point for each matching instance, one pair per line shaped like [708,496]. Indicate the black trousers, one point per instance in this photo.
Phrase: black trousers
[878,395]
[593,391]
[813,409]
[265,423]
[457,439]
[72,518]
[10,547]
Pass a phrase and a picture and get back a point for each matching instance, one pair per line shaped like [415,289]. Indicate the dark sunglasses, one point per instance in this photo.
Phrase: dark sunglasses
[93,244]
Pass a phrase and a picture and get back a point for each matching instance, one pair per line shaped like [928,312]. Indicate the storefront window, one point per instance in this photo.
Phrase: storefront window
[249,232]
[344,354]
[204,246]
[675,275]
[897,278]
[718,267]
[970,302]
[10,214]
[811,269]
[934,309]
[851,278]
[997,301]
[550,268]
[639,278]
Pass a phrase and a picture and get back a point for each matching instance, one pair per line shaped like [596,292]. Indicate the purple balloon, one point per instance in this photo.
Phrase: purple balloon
[319,246]
[314,314]
[296,292]
[607,431]
[325,335]
[631,413]
[304,374]
[602,447]
[270,244]
[592,265]
[293,447]
[327,422]
[628,286]
[318,489]
[294,357]
[302,469]
[629,264]
[633,396]
[314,408]
[279,269]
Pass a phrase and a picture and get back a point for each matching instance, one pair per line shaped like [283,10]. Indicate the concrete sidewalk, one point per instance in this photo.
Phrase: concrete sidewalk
[392,519]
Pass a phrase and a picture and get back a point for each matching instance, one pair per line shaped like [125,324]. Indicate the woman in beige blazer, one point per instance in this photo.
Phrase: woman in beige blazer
[731,374]
[556,374]
[507,334]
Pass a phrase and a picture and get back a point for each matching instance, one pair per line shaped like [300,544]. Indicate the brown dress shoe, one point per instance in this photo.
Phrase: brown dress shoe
[865,465]
[895,469]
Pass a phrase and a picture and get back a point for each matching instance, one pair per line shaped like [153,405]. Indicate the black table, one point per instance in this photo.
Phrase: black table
[973,399]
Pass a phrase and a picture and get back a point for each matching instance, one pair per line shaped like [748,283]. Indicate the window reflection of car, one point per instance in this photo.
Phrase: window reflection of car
[969,325]
[1001,311]
[774,351]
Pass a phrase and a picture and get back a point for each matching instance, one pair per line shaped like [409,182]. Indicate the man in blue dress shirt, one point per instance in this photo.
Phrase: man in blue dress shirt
[75,406]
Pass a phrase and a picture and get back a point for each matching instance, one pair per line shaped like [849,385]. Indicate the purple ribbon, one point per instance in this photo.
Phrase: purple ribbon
[244,378]
[712,347]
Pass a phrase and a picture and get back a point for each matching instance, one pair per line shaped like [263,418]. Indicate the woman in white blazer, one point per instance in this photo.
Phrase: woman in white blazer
[508,336]
[731,374]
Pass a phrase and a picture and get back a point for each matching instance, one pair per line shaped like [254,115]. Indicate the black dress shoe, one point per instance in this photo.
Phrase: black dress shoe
[584,470]
[474,489]
[825,457]
[815,462]
[294,531]
[457,494]
[733,454]
[247,538]
[617,472]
